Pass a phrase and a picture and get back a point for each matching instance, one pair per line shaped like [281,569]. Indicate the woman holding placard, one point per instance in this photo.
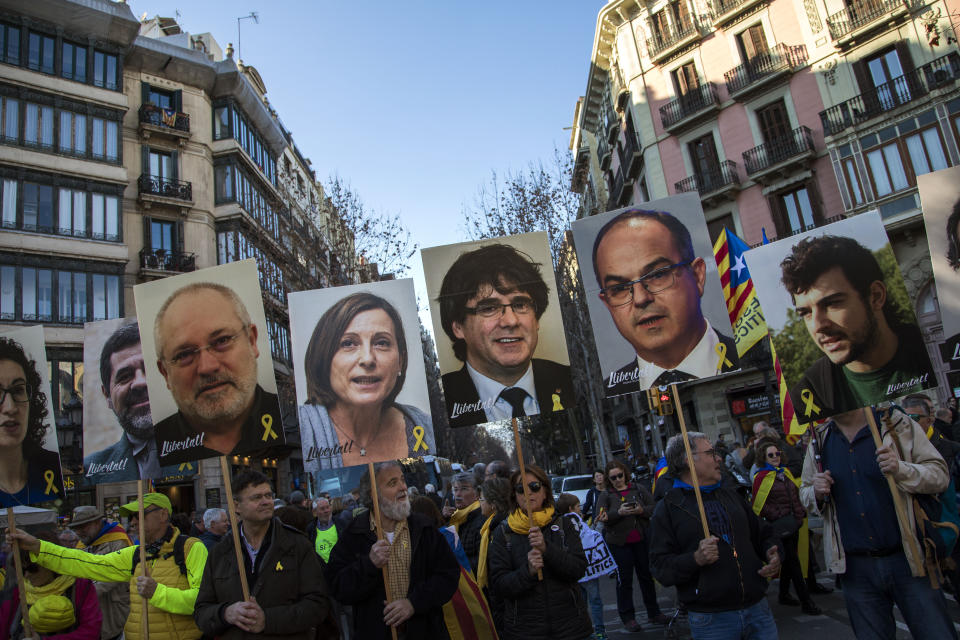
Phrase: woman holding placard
[355,367]
[28,473]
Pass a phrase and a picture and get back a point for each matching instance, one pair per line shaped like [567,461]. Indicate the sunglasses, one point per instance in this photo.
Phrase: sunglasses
[616,476]
[533,486]
[774,454]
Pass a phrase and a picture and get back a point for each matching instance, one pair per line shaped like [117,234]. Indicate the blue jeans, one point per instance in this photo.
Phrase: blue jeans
[753,623]
[871,586]
[591,593]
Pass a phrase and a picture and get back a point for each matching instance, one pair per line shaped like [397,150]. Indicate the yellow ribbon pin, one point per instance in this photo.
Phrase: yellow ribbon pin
[808,404]
[723,360]
[556,402]
[418,433]
[49,476]
[279,566]
[187,465]
[267,421]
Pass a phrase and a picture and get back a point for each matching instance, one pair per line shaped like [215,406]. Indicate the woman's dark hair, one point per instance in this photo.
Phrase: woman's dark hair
[953,240]
[325,342]
[497,492]
[36,429]
[761,451]
[540,475]
[566,502]
[615,464]
[426,506]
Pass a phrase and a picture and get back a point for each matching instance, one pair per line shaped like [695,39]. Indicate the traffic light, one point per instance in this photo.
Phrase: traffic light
[664,401]
[653,399]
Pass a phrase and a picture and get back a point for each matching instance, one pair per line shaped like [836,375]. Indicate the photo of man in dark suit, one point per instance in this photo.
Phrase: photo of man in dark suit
[491,301]
[651,282]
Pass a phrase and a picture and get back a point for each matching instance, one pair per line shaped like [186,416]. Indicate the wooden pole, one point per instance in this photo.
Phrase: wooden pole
[24,611]
[232,512]
[897,499]
[678,409]
[376,515]
[144,622]
[523,480]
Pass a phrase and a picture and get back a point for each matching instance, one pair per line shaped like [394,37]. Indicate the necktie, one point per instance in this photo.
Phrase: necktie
[515,396]
[671,376]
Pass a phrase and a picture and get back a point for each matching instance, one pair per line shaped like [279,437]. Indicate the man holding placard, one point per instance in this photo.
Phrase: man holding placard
[288,593]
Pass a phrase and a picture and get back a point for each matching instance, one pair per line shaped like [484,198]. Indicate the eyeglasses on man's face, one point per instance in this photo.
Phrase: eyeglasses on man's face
[708,452]
[487,309]
[654,282]
[222,344]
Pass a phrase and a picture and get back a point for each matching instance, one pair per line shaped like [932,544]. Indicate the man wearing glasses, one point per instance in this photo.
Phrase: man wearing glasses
[207,352]
[491,301]
[651,282]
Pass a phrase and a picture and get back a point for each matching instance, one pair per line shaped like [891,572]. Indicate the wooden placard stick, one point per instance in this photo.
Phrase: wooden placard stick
[144,622]
[232,512]
[24,612]
[678,409]
[897,498]
[375,497]
[523,480]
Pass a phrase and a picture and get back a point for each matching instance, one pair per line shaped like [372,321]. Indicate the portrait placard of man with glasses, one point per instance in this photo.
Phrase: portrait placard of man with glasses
[207,345]
[651,283]
[490,305]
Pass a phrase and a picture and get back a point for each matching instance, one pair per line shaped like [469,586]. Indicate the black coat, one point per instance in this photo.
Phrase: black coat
[287,583]
[553,609]
[469,533]
[731,582]
[355,581]
[618,527]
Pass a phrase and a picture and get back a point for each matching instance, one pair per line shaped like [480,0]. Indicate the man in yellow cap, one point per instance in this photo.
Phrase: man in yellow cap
[175,564]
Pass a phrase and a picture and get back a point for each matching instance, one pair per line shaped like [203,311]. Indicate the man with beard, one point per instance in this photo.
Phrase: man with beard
[123,383]
[207,353]
[423,572]
[869,356]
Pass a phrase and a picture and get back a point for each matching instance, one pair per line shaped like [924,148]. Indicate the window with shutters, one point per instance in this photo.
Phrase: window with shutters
[751,42]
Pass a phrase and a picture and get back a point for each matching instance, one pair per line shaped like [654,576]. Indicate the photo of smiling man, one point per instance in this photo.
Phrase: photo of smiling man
[497,305]
[839,289]
[212,388]
[645,274]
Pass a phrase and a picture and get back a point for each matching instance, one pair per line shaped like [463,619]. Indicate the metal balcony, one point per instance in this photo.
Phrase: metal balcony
[846,24]
[604,152]
[165,188]
[620,191]
[913,85]
[762,70]
[724,11]
[632,159]
[770,161]
[674,37]
[690,107]
[164,118]
[714,186]
[154,262]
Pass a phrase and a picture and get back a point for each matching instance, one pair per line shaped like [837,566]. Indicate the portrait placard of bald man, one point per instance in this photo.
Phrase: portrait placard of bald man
[212,386]
[653,292]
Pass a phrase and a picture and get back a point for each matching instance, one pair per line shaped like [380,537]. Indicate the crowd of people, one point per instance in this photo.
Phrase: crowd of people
[499,556]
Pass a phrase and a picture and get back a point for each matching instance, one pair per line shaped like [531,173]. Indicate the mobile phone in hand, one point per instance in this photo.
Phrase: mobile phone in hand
[630,505]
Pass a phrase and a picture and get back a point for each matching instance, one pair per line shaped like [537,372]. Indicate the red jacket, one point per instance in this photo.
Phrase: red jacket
[86,609]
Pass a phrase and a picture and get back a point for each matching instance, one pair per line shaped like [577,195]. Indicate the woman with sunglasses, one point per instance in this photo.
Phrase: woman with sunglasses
[627,508]
[776,498]
[552,608]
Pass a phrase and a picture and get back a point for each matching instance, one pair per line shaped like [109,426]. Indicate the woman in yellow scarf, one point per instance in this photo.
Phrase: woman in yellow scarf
[538,609]
[495,506]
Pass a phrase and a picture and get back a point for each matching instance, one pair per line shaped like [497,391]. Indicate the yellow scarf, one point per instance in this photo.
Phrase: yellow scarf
[460,515]
[760,499]
[484,545]
[53,588]
[520,523]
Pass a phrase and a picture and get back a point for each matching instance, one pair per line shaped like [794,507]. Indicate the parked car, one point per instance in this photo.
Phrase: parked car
[577,485]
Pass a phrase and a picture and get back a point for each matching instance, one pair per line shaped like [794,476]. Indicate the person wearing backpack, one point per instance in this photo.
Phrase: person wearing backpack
[175,566]
[873,548]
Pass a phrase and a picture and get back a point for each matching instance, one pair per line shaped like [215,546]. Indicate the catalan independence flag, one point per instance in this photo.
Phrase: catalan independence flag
[791,426]
[749,325]
[659,470]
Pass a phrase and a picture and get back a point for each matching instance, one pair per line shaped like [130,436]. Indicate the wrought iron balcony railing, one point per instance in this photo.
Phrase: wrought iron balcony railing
[766,155]
[778,58]
[724,174]
[165,187]
[688,104]
[163,260]
[159,117]
[860,13]
[665,37]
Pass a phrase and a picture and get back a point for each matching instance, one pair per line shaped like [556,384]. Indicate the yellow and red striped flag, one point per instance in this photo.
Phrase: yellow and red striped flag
[749,325]
[791,426]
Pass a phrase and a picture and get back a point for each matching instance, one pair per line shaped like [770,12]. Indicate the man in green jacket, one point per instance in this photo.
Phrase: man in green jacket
[175,567]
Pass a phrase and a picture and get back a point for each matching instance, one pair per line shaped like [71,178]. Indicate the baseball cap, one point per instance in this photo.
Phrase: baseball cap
[149,499]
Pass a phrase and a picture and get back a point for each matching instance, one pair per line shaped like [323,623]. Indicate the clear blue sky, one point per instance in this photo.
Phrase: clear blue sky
[414,103]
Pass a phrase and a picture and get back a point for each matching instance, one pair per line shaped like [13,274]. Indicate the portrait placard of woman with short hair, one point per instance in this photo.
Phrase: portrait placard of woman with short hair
[360,378]
[29,459]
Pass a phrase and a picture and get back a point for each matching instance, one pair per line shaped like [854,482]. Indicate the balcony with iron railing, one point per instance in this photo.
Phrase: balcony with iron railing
[911,86]
[632,155]
[165,188]
[620,190]
[771,160]
[763,69]
[724,11]
[161,262]
[670,38]
[861,15]
[690,107]
[604,152]
[156,120]
[715,185]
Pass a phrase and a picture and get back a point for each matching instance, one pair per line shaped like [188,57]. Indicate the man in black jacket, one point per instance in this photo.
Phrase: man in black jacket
[288,593]
[721,579]
[424,573]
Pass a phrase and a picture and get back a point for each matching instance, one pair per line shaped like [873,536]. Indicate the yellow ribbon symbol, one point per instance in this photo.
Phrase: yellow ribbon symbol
[808,404]
[267,421]
[49,476]
[418,433]
[723,360]
[187,465]
[556,402]
[279,566]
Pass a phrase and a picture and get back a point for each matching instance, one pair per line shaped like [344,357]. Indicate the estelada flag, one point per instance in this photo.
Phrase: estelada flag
[749,325]
[791,426]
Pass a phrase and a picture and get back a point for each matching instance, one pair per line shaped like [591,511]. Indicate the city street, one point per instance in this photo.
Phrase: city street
[791,623]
